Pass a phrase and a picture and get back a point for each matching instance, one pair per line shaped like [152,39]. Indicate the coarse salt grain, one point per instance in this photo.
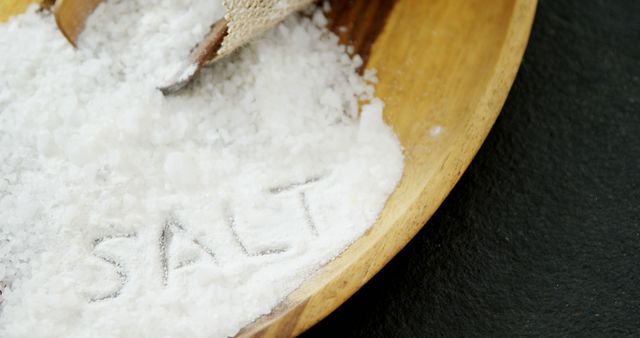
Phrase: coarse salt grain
[436,131]
[126,213]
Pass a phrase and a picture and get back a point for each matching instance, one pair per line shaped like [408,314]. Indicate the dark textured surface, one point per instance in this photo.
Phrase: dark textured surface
[541,237]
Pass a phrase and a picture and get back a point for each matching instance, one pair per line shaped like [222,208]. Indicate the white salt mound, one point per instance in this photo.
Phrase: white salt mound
[128,214]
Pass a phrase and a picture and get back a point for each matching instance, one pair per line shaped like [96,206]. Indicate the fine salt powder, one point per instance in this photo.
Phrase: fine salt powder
[129,214]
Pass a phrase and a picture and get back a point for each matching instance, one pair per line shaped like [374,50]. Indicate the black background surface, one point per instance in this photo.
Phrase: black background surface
[541,236]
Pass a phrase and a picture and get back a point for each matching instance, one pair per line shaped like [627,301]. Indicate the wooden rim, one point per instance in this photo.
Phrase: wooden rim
[334,283]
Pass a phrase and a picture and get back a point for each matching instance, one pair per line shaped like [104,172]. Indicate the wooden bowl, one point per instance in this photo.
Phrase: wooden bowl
[440,63]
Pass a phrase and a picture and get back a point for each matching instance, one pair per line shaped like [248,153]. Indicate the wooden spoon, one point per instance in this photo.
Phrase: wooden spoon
[71,16]
[201,55]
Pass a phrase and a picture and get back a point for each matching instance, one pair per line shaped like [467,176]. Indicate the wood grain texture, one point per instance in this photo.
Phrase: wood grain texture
[9,8]
[359,23]
[447,63]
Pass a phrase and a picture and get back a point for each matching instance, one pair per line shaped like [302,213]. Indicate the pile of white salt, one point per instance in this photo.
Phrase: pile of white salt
[128,214]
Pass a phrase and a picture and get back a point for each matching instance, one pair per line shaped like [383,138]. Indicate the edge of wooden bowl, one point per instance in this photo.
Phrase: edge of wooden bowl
[335,282]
